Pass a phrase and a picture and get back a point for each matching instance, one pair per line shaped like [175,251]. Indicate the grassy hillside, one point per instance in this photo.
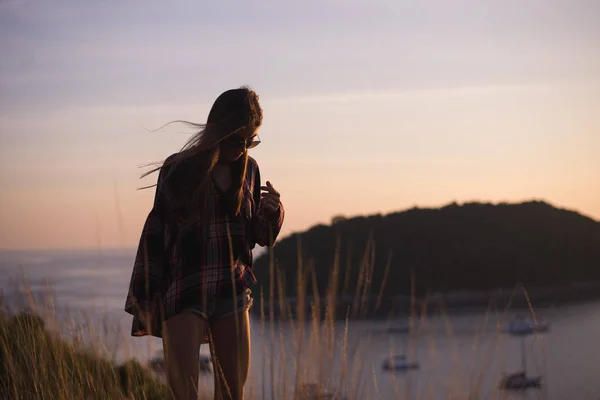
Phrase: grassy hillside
[36,364]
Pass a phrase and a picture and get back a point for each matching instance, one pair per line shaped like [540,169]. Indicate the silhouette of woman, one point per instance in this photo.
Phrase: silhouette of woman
[192,273]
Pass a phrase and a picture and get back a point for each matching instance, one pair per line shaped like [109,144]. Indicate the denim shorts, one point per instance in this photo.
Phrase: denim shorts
[221,307]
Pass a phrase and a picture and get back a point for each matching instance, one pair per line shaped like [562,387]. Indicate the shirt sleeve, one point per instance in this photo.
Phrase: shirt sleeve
[151,258]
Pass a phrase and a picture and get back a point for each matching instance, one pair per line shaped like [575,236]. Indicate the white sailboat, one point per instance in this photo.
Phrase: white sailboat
[520,380]
[523,327]
[399,362]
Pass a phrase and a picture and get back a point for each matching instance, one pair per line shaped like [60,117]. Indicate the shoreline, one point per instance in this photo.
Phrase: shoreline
[453,302]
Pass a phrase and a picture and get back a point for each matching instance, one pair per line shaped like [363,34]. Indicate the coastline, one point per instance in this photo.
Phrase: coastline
[452,302]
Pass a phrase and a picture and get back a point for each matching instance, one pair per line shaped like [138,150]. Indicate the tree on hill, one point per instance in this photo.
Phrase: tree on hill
[337,219]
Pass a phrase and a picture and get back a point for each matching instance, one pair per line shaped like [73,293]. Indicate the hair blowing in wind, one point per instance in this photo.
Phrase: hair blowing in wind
[233,111]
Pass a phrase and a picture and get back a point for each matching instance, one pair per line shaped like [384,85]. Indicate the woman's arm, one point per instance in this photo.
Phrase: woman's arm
[266,224]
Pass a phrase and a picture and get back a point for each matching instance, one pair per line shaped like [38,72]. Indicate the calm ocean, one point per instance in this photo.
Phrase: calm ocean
[455,353]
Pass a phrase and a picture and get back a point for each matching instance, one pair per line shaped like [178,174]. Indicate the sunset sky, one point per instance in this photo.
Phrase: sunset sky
[369,106]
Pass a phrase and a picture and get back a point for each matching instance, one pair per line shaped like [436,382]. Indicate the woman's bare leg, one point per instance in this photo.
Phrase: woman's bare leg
[230,339]
[181,345]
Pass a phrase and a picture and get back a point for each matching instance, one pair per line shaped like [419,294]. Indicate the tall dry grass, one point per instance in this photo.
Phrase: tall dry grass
[36,362]
[325,362]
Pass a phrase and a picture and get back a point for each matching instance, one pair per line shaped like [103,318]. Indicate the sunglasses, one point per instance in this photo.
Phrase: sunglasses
[248,143]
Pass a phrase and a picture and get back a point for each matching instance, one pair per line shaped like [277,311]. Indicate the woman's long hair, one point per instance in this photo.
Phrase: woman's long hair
[187,174]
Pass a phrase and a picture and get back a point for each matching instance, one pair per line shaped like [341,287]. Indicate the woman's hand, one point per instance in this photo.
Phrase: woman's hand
[270,198]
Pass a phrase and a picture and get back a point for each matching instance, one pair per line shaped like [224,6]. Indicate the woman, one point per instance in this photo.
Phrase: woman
[193,269]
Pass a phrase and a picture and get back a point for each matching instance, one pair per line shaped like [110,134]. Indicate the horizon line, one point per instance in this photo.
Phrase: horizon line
[113,249]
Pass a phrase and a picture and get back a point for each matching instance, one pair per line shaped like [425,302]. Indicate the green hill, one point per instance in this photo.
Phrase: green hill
[469,247]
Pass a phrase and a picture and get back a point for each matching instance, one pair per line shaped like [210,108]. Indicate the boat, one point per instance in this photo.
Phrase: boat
[398,329]
[521,326]
[399,362]
[520,381]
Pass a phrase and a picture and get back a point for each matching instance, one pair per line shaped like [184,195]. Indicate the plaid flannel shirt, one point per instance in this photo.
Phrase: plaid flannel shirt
[174,270]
